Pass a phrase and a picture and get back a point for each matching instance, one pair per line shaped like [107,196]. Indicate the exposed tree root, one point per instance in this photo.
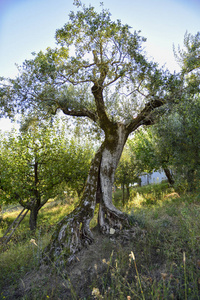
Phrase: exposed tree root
[111,220]
[73,232]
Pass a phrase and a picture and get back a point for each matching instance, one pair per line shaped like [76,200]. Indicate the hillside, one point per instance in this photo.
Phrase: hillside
[158,258]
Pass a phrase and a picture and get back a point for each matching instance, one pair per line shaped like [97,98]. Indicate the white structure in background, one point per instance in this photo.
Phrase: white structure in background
[154,177]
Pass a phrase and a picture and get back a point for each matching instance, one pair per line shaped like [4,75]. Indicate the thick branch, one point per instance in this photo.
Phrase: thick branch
[102,116]
[80,113]
[26,205]
[144,117]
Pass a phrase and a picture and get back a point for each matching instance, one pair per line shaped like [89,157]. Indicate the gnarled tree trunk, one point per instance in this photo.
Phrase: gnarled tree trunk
[73,232]
[109,215]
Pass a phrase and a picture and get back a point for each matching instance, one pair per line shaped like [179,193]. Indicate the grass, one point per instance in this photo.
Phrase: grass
[160,261]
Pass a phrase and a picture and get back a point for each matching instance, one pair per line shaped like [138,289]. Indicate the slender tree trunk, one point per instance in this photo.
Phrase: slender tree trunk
[169,176]
[123,194]
[36,205]
[128,190]
[191,179]
[33,218]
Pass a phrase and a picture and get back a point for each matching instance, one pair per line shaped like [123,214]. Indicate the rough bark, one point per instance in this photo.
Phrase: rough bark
[109,215]
[74,232]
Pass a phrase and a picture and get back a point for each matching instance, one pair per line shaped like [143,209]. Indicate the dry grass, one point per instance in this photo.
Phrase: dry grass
[166,262]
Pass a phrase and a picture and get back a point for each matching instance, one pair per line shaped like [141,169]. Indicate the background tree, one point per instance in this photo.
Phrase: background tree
[177,133]
[189,55]
[98,71]
[177,139]
[148,152]
[37,163]
[126,173]
[142,152]
[172,144]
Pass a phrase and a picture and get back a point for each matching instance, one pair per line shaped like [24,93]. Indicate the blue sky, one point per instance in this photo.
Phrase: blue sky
[29,25]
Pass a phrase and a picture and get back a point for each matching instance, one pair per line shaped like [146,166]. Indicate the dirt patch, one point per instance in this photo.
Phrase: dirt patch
[91,267]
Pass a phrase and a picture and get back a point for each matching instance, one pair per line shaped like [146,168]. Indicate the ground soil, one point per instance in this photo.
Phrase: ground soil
[78,279]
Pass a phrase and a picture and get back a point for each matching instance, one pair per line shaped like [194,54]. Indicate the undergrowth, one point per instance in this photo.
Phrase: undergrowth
[160,261]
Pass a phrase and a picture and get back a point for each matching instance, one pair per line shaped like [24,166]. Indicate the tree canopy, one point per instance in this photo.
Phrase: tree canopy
[93,52]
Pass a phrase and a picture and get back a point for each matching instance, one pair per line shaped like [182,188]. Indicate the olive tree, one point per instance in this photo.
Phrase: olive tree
[97,72]
[36,164]
[149,151]
[177,133]
[126,173]
[177,143]
[172,143]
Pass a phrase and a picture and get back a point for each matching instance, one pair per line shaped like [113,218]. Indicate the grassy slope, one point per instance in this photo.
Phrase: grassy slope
[165,242]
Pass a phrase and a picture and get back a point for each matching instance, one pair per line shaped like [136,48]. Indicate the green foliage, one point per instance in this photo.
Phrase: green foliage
[142,149]
[177,142]
[189,56]
[165,246]
[173,142]
[76,165]
[92,50]
[40,163]
[125,173]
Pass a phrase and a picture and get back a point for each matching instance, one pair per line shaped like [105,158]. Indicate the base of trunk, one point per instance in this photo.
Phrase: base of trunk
[73,233]
[111,220]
